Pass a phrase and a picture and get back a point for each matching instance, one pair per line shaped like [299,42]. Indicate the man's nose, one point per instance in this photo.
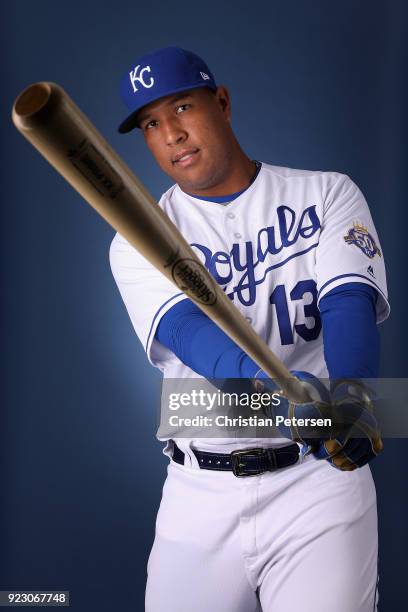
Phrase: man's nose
[174,133]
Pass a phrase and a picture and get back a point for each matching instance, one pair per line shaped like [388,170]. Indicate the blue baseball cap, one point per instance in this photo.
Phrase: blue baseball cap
[158,74]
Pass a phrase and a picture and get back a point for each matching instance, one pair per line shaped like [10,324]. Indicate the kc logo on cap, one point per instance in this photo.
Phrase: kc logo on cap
[134,77]
[159,74]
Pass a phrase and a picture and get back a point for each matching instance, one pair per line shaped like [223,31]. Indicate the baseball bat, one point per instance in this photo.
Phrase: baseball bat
[50,120]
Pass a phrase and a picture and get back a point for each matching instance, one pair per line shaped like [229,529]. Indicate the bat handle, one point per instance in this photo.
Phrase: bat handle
[295,390]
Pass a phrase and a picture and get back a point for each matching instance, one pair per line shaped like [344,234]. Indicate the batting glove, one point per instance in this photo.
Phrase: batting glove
[350,441]
[357,438]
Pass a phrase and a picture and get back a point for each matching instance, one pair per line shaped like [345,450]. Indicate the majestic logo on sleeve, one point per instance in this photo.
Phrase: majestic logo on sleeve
[250,262]
[361,238]
[140,78]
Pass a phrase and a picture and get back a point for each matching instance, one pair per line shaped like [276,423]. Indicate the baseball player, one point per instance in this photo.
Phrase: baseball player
[296,250]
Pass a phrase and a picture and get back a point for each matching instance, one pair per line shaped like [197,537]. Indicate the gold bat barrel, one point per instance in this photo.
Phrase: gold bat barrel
[55,126]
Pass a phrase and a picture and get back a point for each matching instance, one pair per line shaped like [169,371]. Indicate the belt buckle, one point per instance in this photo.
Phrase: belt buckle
[236,465]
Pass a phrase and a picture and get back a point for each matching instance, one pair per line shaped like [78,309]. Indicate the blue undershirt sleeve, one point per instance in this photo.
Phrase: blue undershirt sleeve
[350,337]
[201,345]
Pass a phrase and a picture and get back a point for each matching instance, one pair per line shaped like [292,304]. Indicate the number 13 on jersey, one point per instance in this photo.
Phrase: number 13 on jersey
[279,299]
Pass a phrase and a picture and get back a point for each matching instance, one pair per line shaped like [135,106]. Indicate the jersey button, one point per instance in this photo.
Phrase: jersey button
[249,319]
[231,215]
[238,235]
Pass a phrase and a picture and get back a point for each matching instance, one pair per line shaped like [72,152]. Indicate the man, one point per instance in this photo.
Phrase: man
[299,256]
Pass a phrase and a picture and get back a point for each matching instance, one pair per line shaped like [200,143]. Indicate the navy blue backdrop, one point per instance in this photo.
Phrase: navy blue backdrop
[316,85]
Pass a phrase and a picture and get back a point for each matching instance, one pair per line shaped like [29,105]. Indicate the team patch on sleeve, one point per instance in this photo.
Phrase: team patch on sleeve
[361,238]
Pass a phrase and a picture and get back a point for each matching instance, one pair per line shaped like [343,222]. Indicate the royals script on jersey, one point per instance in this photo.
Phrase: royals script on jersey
[277,249]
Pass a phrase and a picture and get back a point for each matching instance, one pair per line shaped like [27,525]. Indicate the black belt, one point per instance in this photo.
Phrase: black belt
[246,462]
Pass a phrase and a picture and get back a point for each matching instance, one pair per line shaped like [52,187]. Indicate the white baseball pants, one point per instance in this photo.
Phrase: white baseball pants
[301,538]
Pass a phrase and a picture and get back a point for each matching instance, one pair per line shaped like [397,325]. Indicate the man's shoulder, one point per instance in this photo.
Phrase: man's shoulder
[118,243]
[169,195]
[123,255]
[293,173]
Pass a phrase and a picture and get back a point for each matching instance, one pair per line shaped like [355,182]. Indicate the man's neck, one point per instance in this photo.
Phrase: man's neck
[240,177]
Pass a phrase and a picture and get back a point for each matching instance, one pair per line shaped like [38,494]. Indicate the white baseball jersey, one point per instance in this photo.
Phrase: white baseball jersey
[277,249]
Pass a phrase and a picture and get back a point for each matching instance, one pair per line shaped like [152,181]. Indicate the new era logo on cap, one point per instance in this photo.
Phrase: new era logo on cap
[160,74]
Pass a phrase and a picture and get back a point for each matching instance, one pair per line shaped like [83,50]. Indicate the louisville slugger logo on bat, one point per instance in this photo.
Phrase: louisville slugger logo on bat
[188,276]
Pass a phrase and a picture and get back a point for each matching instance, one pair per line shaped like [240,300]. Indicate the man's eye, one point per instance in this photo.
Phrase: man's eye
[182,108]
[151,124]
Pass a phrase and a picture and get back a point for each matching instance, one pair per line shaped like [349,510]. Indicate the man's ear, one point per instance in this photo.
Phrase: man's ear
[224,101]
